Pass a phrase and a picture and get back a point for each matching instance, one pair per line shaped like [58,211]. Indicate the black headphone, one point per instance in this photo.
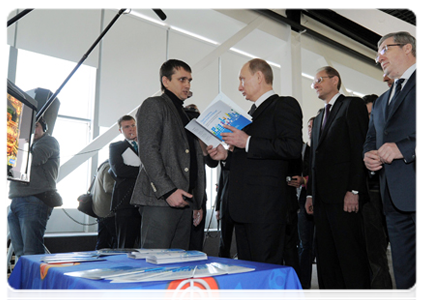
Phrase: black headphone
[43,124]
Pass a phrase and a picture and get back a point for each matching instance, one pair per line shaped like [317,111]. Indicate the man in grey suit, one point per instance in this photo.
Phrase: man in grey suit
[390,150]
[170,188]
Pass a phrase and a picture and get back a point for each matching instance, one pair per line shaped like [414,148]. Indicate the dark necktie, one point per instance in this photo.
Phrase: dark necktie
[134,144]
[327,111]
[398,86]
[252,110]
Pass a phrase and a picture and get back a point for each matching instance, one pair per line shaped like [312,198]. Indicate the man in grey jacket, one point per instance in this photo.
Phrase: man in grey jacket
[28,214]
[170,187]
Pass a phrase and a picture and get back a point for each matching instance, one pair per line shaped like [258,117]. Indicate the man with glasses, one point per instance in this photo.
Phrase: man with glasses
[390,150]
[336,189]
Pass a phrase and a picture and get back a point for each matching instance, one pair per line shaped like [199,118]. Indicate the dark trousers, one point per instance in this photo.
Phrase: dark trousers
[261,242]
[341,251]
[402,236]
[306,248]
[106,233]
[128,224]
[227,226]
[376,241]
[196,240]
[290,252]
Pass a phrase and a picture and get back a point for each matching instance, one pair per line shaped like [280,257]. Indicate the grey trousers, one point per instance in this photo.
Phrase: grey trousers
[165,227]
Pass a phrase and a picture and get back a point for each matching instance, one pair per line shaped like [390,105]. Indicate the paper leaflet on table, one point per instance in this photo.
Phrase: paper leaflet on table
[174,257]
[71,257]
[109,273]
[221,111]
[172,273]
[143,253]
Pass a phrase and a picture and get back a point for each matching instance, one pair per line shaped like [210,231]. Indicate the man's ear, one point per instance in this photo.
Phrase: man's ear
[260,76]
[165,81]
[408,48]
[335,80]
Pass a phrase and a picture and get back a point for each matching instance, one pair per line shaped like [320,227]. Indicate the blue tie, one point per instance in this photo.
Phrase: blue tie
[398,86]
[135,146]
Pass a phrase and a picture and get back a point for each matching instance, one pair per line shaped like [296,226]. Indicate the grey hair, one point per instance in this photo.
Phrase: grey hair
[401,37]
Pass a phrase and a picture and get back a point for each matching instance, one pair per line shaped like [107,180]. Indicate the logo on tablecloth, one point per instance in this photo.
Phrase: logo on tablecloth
[45,267]
[193,289]
[277,282]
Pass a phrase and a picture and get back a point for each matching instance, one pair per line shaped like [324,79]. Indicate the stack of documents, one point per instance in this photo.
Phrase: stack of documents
[175,257]
[62,258]
[143,253]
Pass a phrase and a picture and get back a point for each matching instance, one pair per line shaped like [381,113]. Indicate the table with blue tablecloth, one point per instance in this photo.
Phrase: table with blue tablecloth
[31,273]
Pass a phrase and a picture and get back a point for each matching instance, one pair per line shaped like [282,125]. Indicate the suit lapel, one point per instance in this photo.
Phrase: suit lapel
[401,96]
[318,121]
[264,106]
[332,115]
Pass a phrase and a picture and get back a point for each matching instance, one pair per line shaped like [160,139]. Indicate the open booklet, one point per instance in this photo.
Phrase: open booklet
[221,111]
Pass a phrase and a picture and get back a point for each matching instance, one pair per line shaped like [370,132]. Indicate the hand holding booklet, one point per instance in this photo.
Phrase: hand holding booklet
[221,111]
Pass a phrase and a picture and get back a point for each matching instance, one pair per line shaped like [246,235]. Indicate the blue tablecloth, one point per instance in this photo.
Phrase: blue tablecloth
[31,273]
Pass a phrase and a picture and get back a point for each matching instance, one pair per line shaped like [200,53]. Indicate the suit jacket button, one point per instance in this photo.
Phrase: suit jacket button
[385,132]
[186,169]
[186,150]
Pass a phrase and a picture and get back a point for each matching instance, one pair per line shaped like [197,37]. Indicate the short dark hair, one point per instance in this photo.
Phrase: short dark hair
[168,69]
[332,72]
[370,98]
[125,118]
[258,64]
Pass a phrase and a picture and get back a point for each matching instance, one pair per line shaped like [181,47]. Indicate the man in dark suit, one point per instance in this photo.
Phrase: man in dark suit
[390,149]
[170,188]
[124,167]
[259,165]
[336,187]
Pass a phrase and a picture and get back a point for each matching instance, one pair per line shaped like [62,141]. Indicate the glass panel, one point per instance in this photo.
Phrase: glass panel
[40,71]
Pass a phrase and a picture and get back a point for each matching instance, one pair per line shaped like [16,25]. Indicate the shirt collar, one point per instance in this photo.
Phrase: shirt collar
[264,97]
[333,100]
[407,74]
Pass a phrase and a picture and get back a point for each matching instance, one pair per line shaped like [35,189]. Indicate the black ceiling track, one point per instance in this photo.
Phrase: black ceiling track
[403,14]
[345,26]
[294,21]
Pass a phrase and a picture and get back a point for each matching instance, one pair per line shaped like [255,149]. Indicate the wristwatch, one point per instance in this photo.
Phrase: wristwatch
[354,192]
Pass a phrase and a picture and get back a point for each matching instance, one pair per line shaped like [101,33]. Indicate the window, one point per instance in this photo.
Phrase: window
[6,52]
[73,125]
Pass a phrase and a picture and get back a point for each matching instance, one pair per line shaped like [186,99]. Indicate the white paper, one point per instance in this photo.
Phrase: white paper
[203,134]
[130,158]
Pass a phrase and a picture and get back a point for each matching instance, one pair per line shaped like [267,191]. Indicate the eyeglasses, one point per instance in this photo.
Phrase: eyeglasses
[319,80]
[384,49]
